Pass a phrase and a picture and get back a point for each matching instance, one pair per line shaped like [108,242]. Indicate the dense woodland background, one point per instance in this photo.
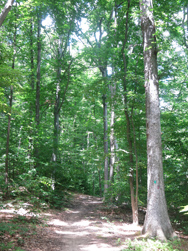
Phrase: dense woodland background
[72,100]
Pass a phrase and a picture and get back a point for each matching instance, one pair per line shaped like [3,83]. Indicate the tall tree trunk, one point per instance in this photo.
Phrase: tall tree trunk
[37,104]
[112,88]
[9,121]
[135,152]
[56,124]
[7,144]
[105,144]
[32,79]
[100,186]
[103,69]
[56,132]
[134,203]
[59,100]
[32,86]
[38,71]
[157,222]
[112,136]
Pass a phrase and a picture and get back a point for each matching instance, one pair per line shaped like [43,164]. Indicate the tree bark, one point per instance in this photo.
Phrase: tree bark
[134,203]
[112,87]
[105,144]
[59,100]
[9,120]
[5,11]
[37,102]
[38,71]
[7,144]
[100,186]
[57,114]
[135,152]
[157,223]
[32,79]
[112,136]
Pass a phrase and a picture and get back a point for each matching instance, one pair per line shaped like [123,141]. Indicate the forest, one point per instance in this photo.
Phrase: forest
[93,98]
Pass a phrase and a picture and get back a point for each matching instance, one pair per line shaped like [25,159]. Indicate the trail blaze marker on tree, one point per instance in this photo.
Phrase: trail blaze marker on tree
[155,181]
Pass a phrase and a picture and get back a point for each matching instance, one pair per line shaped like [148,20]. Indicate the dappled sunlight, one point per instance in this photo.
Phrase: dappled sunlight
[97,235]
[20,211]
[94,202]
[97,201]
[72,212]
[84,226]
[46,214]
[132,227]
[184,209]
[56,222]
[97,228]
[82,223]
[99,246]
[10,211]
[109,230]
[78,233]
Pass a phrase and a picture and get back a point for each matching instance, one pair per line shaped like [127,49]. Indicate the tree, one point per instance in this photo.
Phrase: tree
[5,11]
[10,97]
[38,82]
[63,64]
[100,18]
[134,199]
[157,222]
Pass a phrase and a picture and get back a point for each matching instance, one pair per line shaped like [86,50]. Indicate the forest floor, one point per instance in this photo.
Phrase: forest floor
[86,225]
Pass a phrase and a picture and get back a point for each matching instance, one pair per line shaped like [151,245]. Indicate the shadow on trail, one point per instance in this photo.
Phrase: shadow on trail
[84,227]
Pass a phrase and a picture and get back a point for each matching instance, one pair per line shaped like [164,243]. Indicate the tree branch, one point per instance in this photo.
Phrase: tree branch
[5,11]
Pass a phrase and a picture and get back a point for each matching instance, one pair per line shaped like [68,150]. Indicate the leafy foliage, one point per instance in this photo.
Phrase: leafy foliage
[146,245]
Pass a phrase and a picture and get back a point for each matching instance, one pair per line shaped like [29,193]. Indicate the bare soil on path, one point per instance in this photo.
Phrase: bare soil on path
[87,224]
[84,226]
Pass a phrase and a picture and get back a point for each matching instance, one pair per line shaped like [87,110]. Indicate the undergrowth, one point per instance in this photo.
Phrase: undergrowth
[152,245]
[14,232]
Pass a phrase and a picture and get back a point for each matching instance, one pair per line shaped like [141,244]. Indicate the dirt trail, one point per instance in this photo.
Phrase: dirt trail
[82,227]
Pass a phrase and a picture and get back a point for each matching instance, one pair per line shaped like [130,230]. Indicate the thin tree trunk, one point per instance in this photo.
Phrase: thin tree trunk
[112,136]
[135,152]
[105,144]
[56,127]
[9,121]
[93,182]
[57,108]
[59,100]
[112,88]
[32,83]
[7,144]
[37,104]
[100,186]
[38,71]
[56,135]
[130,145]
[134,203]
[103,70]
[157,222]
